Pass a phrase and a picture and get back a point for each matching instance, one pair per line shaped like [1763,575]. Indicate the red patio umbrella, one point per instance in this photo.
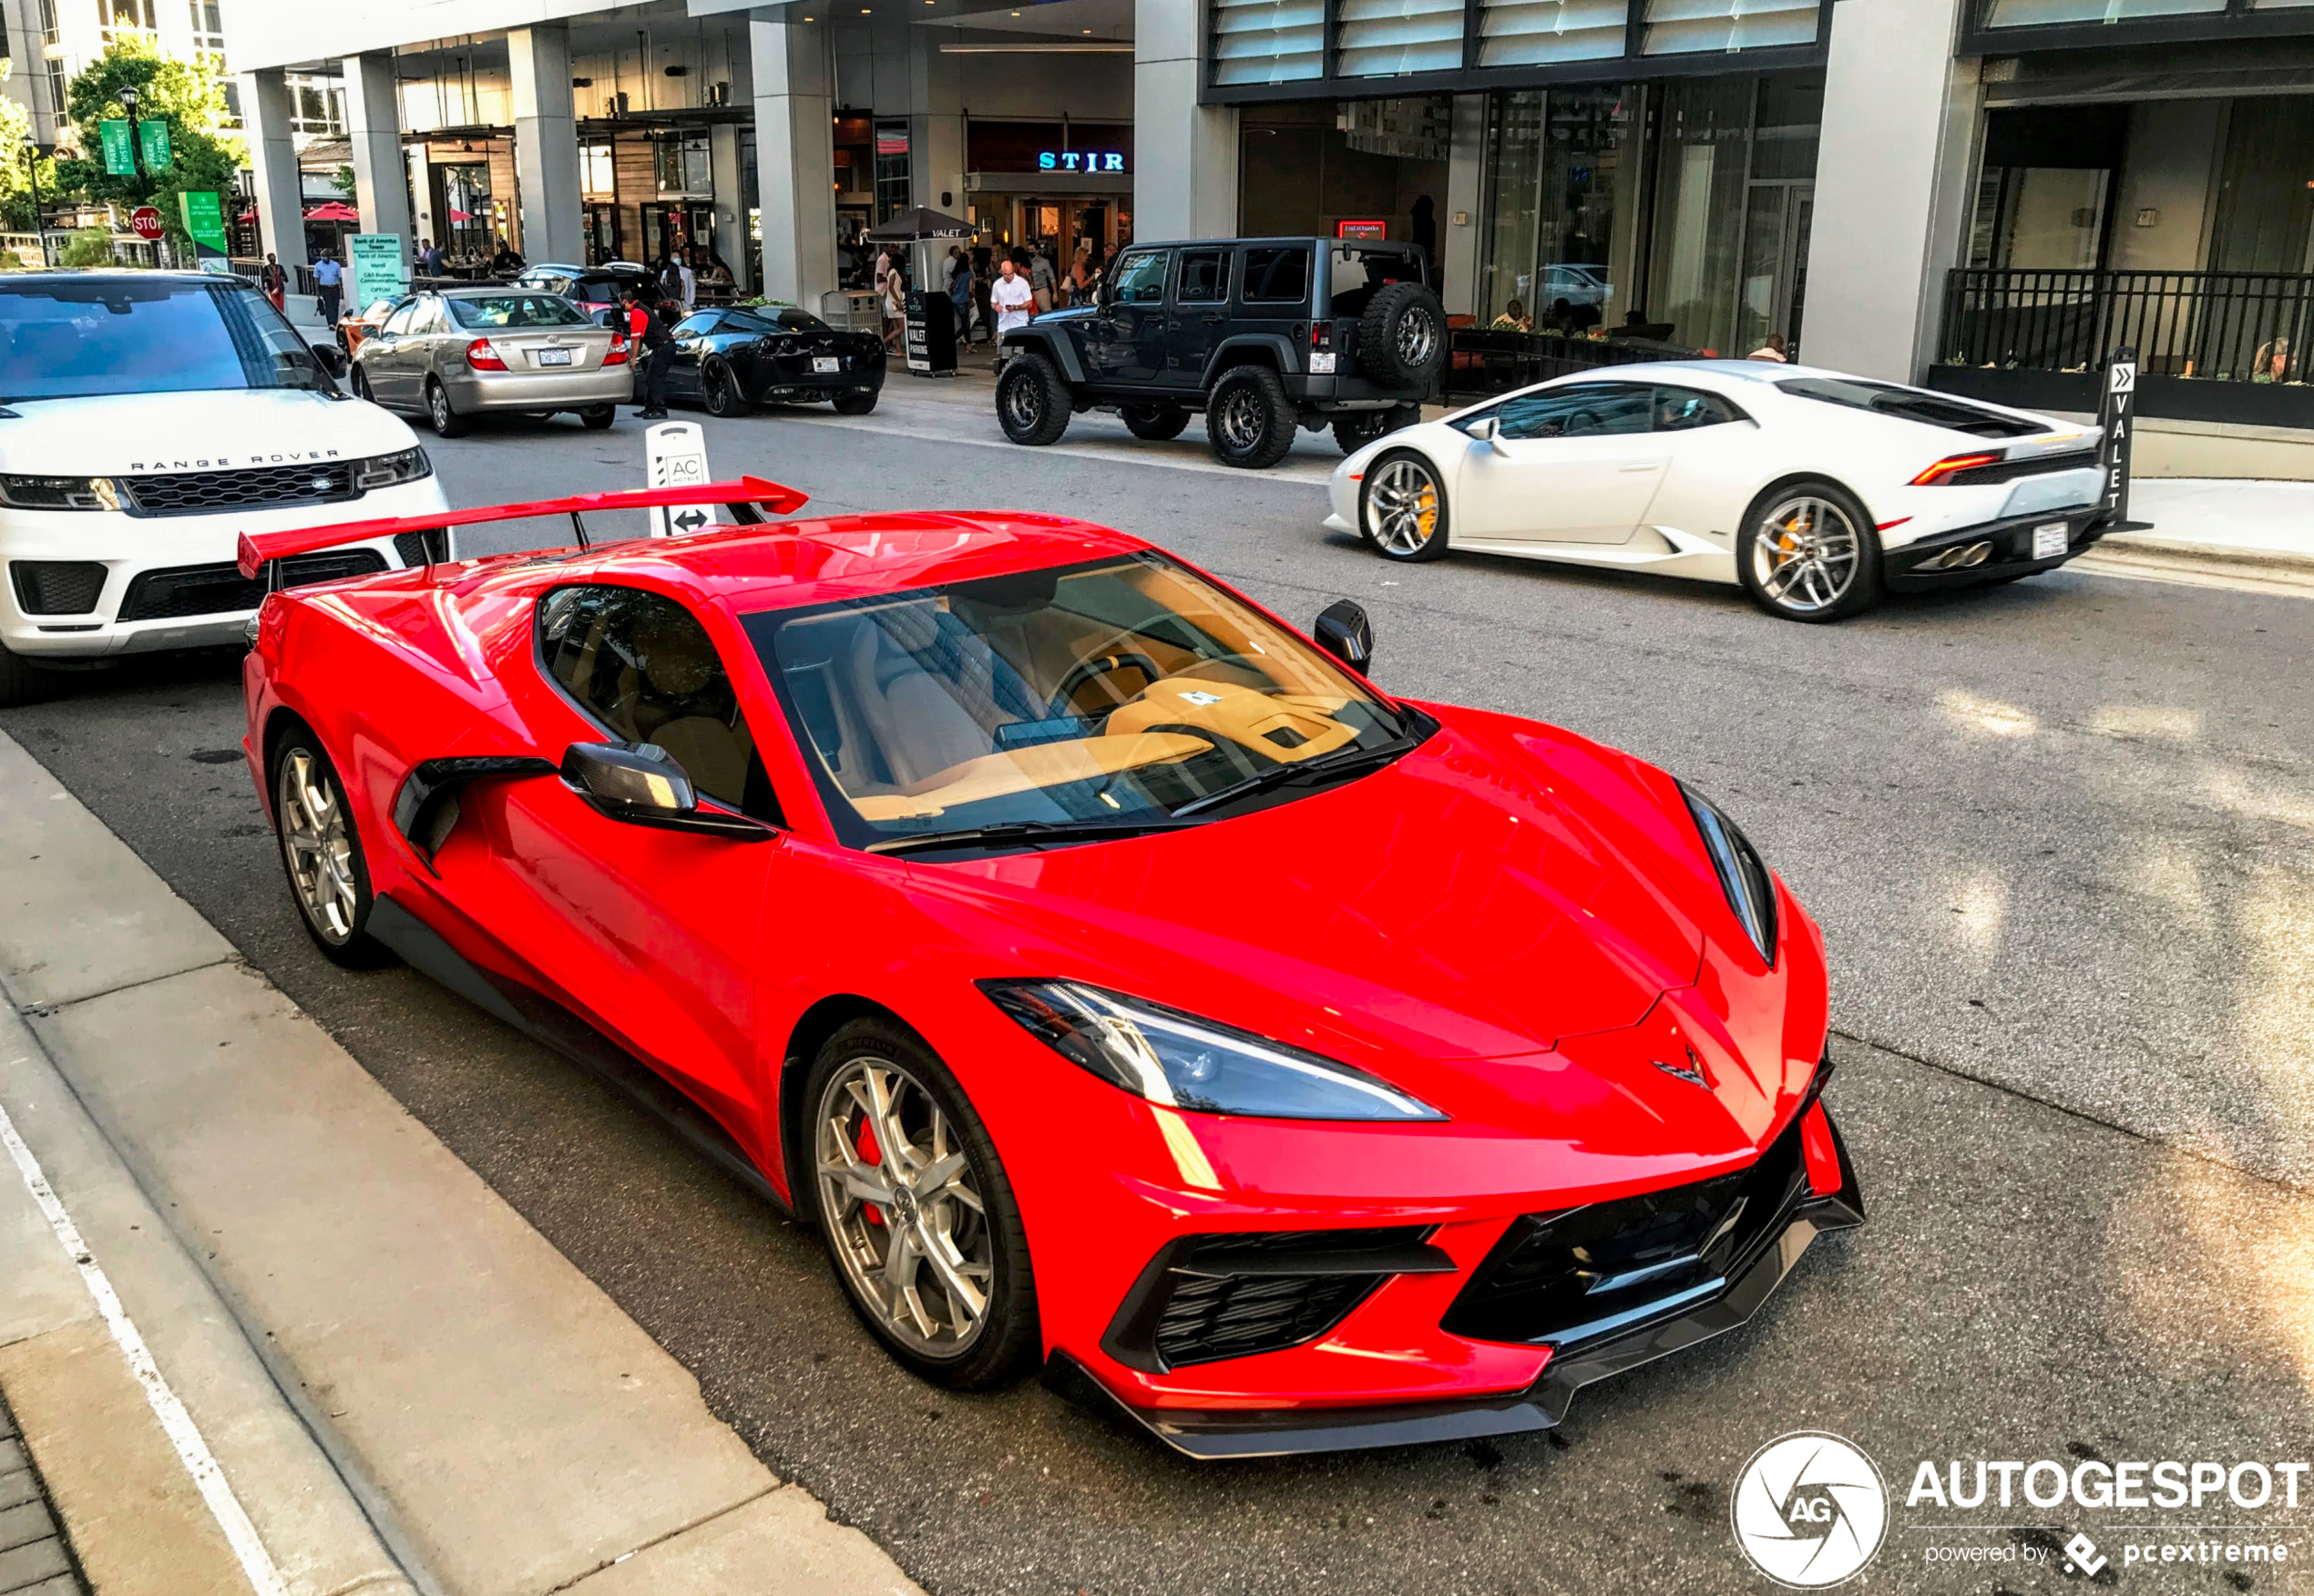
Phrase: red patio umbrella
[333,210]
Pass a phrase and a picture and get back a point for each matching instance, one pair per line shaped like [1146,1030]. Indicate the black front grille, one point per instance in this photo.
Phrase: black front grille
[1581,1273]
[56,587]
[1205,1298]
[431,547]
[222,590]
[196,493]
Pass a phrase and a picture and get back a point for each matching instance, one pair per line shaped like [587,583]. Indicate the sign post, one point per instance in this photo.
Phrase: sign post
[381,269]
[2118,414]
[675,456]
[202,210]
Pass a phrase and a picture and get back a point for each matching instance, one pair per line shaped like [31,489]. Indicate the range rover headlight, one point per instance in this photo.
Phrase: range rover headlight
[1743,876]
[59,493]
[391,470]
[1183,1062]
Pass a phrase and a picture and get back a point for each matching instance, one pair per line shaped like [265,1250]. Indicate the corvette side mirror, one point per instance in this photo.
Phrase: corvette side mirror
[1344,631]
[638,782]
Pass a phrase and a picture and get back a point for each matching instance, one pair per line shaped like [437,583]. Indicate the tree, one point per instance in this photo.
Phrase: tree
[17,161]
[186,94]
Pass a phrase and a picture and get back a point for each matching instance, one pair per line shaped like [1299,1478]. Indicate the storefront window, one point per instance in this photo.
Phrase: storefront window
[1735,164]
[1513,177]
[2265,202]
[1309,166]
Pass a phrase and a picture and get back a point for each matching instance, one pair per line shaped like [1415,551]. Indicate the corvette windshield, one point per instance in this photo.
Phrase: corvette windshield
[1116,694]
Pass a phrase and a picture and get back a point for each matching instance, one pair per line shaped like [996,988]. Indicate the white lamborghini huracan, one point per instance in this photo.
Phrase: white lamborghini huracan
[1816,490]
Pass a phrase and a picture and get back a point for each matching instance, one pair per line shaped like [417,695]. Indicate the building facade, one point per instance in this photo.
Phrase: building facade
[1988,195]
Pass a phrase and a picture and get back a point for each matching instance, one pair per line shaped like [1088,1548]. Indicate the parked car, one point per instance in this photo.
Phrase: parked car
[1115,978]
[353,327]
[593,289]
[1263,335]
[145,420]
[454,353]
[1816,490]
[729,358]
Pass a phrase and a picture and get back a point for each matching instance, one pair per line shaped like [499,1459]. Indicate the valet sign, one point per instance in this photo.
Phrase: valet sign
[1081,161]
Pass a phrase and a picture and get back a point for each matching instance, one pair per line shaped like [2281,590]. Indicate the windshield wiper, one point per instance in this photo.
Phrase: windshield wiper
[1033,832]
[1341,762]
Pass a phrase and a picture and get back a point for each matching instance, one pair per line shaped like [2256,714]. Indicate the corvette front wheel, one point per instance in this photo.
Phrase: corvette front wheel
[916,1211]
[329,878]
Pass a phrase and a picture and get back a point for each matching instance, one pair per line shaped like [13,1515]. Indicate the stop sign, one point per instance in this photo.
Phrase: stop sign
[144,222]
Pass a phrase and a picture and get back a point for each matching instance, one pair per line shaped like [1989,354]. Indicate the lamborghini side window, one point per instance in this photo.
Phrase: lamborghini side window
[642,665]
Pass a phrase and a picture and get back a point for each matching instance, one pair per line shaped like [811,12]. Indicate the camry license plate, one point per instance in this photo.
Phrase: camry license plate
[825,362]
[553,356]
[2049,539]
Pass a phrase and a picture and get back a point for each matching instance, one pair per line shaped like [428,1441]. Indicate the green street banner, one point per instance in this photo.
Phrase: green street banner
[202,210]
[120,159]
[159,158]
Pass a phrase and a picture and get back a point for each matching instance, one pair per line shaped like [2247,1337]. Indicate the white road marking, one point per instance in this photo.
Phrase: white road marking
[255,1562]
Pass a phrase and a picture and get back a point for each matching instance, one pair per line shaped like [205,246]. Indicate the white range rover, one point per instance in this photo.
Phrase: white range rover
[147,420]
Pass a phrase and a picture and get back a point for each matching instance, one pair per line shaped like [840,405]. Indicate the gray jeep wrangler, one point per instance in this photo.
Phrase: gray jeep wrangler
[1262,335]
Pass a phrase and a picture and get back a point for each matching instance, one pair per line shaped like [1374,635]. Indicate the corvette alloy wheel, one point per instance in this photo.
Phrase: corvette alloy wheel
[1404,510]
[318,847]
[903,1205]
[1805,557]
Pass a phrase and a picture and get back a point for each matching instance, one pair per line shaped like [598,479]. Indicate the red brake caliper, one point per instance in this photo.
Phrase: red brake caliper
[869,1153]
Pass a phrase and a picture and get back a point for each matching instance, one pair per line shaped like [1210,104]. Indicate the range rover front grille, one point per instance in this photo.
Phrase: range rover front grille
[199,493]
[186,591]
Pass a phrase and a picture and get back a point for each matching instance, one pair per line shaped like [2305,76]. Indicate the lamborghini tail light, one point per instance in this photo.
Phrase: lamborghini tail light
[1943,469]
[482,357]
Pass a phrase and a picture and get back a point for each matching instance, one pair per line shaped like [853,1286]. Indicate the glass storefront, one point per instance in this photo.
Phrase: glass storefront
[1677,210]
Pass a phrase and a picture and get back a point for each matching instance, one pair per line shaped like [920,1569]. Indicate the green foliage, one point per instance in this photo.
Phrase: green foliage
[342,182]
[17,161]
[186,94]
[91,246]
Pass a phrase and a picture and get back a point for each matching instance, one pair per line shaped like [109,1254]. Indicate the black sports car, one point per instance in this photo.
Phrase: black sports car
[727,360]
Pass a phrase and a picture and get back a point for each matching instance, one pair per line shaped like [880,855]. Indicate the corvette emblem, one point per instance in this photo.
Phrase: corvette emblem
[1692,1072]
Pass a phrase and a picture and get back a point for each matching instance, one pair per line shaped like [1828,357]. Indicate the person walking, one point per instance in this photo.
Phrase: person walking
[896,311]
[686,283]
[275,281]
[329,288]
[1015,303]
[648,327]
[1041,277]
[960,293]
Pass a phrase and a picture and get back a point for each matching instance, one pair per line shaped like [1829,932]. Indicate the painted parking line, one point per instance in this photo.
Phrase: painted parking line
[175,1422]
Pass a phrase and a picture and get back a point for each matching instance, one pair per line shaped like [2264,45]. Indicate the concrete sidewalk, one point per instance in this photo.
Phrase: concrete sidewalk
[363,1371]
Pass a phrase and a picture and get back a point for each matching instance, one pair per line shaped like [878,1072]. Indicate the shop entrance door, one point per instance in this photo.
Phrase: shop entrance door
[462,210]
[685,224]
[1775,284]
[602,232]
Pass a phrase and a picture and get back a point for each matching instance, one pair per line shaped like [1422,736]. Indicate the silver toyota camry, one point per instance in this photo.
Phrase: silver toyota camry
[453,354]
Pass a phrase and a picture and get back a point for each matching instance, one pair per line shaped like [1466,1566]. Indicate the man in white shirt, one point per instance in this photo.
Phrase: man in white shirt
[1014,302]
[690,282]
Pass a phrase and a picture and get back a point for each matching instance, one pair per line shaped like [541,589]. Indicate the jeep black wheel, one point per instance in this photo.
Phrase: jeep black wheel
[1032,401]
[1249,420]
[1402,337]
[1155,421]
[1354,431]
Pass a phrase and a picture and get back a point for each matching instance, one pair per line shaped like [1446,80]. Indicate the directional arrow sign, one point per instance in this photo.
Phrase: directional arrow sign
[675,456]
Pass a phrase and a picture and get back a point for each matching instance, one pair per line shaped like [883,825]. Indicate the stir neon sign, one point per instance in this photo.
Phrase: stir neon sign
[1081,161]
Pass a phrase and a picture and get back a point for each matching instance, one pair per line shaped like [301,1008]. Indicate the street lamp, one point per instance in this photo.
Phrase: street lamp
[128,98]
[31,171]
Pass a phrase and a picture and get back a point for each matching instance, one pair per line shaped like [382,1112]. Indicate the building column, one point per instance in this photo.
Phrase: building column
[272,157]
[1459,220]
[546,144]
[1902,123]
[936,135]
[794,159]
[374,129]
[420,170]
[731,209]
[1187,153]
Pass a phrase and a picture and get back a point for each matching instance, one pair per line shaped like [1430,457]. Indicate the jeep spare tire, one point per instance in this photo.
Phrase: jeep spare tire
[1402,337]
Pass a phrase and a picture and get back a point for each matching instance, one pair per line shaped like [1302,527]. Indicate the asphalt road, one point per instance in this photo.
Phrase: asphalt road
[2056,835]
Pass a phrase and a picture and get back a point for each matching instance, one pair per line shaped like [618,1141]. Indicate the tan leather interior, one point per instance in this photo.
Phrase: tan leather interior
[1024,770]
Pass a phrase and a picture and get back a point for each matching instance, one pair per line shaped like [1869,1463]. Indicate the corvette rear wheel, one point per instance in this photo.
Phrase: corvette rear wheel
[720,391]
[1810,552]
[321,853]
[1402,509]
[917,1209]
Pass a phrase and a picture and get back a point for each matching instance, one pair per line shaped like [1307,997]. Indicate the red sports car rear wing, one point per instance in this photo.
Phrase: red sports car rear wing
[259,548]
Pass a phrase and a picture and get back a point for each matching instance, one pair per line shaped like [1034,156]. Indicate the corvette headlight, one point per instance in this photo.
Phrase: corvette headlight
[391,470]
[1743,877]
[1185,1062]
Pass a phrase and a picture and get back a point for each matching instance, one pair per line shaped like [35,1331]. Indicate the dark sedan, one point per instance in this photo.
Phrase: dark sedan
[727,360]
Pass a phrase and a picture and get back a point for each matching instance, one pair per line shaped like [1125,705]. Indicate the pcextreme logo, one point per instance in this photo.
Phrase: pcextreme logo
[1810,1511]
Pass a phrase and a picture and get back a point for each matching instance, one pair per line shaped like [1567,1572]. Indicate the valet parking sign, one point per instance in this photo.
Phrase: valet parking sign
[1812,1510]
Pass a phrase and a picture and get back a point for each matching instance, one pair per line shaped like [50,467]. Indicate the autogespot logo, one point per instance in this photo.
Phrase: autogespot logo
[1810,1511]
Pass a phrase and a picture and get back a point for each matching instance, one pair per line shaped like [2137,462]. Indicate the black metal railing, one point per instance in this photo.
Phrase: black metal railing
[1496,359]
[2214,326]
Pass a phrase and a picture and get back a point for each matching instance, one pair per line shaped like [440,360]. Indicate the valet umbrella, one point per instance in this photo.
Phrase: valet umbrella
[911,225]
